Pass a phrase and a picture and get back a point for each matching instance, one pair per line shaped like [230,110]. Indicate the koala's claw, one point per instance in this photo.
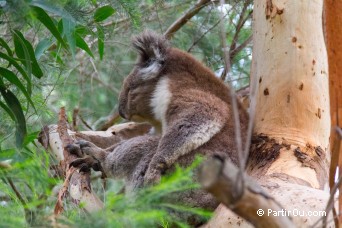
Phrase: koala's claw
[89,156]
[83,144]
[74,149]
[152,176]
[84,164]
[84,168]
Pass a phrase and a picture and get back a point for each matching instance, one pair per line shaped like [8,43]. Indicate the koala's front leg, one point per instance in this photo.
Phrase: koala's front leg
[90,155]
[180,139]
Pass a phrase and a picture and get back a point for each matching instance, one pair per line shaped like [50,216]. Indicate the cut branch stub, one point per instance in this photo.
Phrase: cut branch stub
[220,177]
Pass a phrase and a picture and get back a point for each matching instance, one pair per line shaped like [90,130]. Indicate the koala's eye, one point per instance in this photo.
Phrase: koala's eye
[149,62]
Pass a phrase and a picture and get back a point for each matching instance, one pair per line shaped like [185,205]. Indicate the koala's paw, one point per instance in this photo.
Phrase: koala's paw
[154,173]
[86,163]
[152,176]
[75,150]
[90,156]
[81,148]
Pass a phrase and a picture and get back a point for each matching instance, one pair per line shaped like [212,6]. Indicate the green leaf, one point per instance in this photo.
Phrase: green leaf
[60,26]
[8,110]
[47,6]
[11,77]
[57,57]
[100,41]
[22,53]
[83,45]
[19,68]
[7,153]
[69,32]
[103,13]
[83,30]
[30,138]
[42,46]
[34,64]
[44,18]
[14,105]
[5,45]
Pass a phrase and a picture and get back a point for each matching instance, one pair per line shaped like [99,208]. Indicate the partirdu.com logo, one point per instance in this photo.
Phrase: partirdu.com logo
[293,212]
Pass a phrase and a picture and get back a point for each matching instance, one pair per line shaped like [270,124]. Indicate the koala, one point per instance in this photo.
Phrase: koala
[184,100]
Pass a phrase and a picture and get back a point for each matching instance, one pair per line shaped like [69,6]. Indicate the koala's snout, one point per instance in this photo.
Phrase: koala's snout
[123,99]
[122,107]
[122,112]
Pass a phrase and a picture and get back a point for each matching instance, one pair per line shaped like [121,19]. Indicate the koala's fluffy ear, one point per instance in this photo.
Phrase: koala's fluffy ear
[152,49]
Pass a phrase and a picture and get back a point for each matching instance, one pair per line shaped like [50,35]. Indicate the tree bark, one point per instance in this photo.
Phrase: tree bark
[250,201]
[290,63]
[192,11]
[333,35]
[289,153]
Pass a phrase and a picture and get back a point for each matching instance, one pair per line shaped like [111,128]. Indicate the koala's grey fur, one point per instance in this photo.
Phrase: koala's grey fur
[184,99]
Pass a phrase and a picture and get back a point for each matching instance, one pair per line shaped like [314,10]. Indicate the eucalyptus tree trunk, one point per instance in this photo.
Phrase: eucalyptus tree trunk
[289,154]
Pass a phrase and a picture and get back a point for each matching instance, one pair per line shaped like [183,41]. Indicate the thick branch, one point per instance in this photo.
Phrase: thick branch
[192,11]
[106,122]
[221,178]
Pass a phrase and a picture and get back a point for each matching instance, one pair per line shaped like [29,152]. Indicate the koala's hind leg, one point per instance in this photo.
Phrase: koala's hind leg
[129,158]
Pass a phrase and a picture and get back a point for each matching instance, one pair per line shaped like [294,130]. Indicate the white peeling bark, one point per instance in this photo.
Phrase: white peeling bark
[290,62]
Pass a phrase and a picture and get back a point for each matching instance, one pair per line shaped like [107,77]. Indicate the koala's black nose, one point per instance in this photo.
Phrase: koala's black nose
[124,100]
[122,113]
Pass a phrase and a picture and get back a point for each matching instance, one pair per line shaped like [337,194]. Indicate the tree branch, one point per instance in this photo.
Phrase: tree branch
[109,121]
[222,179]
[205,33]
[78,184]
[234,52]
[17,193]
[192,11]
[242,20]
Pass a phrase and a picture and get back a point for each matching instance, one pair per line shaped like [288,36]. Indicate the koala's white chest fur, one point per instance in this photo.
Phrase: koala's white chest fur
[160,101]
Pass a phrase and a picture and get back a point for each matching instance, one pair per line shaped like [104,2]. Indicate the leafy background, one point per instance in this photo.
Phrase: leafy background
[76,54]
